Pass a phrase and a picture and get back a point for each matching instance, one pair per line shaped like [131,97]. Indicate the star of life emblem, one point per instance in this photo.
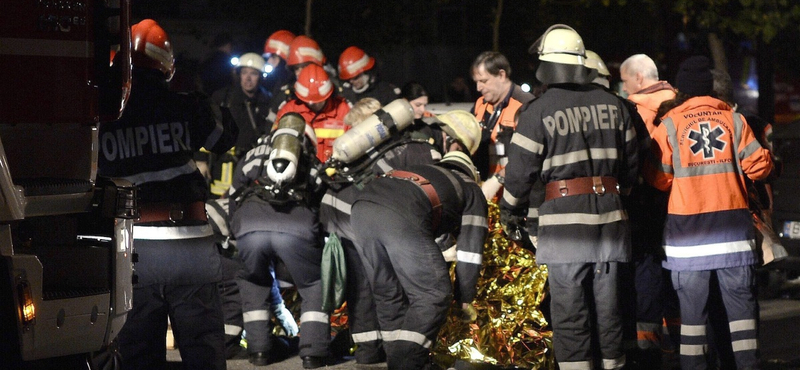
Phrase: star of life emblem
[707,140]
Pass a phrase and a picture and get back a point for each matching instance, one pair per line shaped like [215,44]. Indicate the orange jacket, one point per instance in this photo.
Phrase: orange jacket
[649,99]
[514,101]
[328,123]
[703,151]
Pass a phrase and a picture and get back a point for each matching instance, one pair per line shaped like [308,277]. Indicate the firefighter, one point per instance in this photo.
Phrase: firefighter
[274,193]
[703,151]
[303,51]
[414,145]
[248,104]
[276,52]
[320,107]
[579,140]
[361,80]
[404,265]
[178,264]
[496,109]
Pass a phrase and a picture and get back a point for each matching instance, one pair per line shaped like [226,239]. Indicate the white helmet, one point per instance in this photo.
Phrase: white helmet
[461,161]
[252,60]
[594,61]
[560,44]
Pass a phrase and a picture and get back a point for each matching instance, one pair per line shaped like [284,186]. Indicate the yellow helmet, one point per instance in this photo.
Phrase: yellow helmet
[462,126]
[560,44]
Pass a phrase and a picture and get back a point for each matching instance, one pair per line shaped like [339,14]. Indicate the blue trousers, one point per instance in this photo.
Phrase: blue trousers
[737,285]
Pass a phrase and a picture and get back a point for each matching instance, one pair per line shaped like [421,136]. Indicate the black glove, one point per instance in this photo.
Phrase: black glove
[513,224]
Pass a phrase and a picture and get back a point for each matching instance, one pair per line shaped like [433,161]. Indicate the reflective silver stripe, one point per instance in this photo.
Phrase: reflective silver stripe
[214,136]
[367,336]
[693,330]
[579,156]
[744,345]
[408,336]
[233,329]
[477,221]
[498,149]
[614,363]
[582,218]
[533,212]
[163,175]
[527,144]
[749,149]
[630,134]
[315,316]
[469,257]
[171,232]
[742,325]
[46,48]
[385,167]
[665,168]
[257,315]
[503,161]
[709,249]
[693,349]
[510,199]
[436,155]
[672,139]
[336,203]
[575,365]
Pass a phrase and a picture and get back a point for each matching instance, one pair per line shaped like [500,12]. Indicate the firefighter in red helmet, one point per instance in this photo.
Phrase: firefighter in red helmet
[276,53]
[357,70]
[178,268]
[320,107]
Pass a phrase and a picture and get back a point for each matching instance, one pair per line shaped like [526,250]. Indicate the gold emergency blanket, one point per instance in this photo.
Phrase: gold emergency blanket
[510,331]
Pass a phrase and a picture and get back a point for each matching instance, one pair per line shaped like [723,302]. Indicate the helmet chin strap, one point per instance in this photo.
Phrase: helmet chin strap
[362,89]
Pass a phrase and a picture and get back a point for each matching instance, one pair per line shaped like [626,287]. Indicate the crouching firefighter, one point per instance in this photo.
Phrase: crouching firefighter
[354,163]
[396,219]
[274,191]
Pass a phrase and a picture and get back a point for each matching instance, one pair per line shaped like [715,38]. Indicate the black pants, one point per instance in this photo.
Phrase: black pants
[585,304]
[195,315]
[409,279]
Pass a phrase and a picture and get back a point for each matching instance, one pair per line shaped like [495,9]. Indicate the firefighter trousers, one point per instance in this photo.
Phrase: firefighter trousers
[362,318]
[409,279]
[195,315]
[302,257]
[737,285]
[585,309]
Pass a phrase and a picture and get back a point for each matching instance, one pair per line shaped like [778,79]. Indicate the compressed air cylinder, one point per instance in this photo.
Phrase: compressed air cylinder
[394,117]
[287,145]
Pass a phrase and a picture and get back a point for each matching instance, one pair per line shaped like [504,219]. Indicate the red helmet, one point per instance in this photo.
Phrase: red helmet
[313,85]
[278,44]
[152,48]
[354,62]
[304,49]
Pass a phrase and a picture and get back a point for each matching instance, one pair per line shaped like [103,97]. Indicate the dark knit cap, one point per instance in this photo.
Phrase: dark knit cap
[694,76]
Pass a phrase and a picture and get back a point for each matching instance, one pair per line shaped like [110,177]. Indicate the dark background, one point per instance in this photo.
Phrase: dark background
[434,42]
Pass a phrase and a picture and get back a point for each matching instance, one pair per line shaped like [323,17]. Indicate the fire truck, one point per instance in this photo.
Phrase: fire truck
[66,258]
